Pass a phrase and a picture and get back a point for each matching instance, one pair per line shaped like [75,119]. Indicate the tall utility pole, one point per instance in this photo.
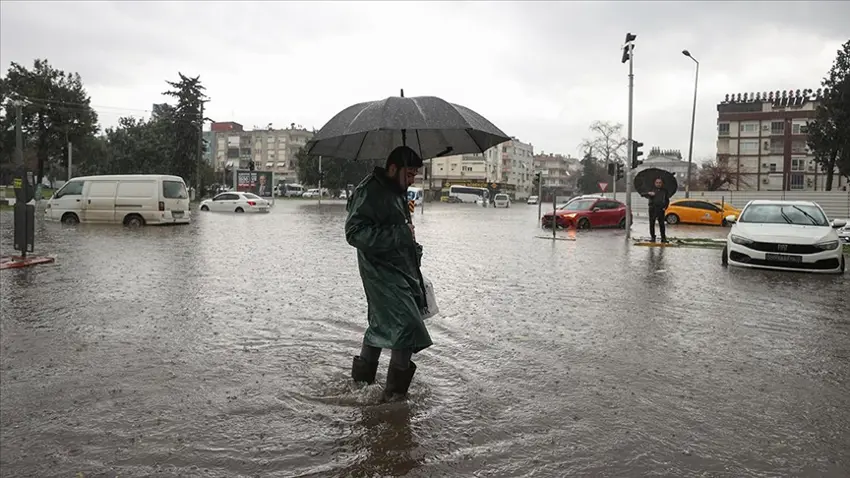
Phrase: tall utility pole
[629,55]
[320,179]
[200,151]
[693,123]
[19,136]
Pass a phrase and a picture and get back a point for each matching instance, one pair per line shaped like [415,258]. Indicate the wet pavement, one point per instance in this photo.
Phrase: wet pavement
[223,349]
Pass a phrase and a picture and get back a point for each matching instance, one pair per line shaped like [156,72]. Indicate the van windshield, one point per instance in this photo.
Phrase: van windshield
[174,190]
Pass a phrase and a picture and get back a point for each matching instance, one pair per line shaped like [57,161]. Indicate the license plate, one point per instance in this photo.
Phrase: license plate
[783,258]
[177,213]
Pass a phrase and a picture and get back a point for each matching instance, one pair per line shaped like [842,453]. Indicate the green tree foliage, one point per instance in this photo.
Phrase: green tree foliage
[55,106]
[608,145]
[186,126]
[337,172]
[829,133]
[593,172]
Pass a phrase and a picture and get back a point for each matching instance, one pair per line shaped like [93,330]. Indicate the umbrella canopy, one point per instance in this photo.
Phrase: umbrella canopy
[644,180]
[430,126]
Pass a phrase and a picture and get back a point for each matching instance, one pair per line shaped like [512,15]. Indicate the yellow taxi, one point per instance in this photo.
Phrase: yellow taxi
[695,211]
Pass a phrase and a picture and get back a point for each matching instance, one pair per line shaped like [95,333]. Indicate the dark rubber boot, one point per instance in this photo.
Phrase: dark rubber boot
[363,371]
[398,382]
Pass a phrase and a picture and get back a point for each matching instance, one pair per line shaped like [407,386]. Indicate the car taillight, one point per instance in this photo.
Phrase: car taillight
[161,206]
[252,203]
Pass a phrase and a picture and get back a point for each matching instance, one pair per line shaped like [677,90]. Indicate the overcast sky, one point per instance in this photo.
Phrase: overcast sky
[541,71]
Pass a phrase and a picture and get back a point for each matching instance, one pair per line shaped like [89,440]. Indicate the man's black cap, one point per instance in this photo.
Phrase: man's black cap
[403,156]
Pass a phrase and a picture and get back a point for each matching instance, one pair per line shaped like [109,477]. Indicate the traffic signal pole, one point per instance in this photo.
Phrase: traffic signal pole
[631,52]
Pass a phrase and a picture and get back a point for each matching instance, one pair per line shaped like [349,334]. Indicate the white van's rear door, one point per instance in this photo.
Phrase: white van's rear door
[175,196]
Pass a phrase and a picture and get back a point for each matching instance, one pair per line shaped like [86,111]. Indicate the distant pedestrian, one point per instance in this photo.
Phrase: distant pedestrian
[659,200]
[388,257]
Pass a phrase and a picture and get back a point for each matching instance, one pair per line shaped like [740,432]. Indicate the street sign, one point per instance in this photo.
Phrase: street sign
[603,186]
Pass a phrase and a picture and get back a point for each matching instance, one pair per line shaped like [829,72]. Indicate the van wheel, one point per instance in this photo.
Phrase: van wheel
[70,219]
[204,208]
[134,221]
[239,209]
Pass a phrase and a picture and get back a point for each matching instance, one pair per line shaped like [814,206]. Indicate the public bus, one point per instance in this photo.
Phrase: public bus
[466,194]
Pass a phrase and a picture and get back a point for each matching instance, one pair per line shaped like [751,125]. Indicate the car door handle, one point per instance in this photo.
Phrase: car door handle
[78,200]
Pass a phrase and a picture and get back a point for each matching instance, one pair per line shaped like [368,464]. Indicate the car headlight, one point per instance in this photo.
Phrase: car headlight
[827,246]
[571,216]
[741,240]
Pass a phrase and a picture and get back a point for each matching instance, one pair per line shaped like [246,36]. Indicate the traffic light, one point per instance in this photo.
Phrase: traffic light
[635,153]
[611,169]
[620,171]
[250,165]
[628,47]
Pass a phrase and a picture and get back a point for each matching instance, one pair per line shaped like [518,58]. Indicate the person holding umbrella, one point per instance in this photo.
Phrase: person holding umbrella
[659,200]
[389,259]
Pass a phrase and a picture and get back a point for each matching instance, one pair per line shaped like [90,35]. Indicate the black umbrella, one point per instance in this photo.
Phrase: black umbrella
[645,180]
[432,127]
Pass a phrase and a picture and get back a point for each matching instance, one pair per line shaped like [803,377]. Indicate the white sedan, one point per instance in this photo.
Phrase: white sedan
[784,235]
[235,202]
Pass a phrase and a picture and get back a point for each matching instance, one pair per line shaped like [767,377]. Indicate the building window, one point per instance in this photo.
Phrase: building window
[772,167]
[798,147]
[749,127]
[798,165]
[797,181]
[798,128]
[749,146]
[777,146]
[723,129]
[777,127]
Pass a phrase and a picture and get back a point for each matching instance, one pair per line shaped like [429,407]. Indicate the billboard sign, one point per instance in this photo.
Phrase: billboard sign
[257,182]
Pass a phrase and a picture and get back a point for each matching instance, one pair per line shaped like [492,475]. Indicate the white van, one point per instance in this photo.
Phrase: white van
[131,200]
[417,195]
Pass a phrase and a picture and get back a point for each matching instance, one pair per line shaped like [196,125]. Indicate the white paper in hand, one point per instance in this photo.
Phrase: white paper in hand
[431,308]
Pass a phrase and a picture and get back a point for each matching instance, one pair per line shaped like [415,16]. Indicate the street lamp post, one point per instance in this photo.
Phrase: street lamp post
[693,123]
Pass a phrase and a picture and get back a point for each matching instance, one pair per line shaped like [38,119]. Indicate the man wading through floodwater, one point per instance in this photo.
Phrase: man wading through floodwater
[389,258]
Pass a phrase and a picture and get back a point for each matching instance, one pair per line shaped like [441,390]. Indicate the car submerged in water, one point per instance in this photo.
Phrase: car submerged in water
[786,236]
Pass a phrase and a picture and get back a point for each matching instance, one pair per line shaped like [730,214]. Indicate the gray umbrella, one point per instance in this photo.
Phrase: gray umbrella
[429,125]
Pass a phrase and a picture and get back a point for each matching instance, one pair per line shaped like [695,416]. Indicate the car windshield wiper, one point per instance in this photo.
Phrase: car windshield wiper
[811,218]
[785,216]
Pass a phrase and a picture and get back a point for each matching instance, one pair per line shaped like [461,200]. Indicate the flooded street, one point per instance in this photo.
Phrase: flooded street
[223,349]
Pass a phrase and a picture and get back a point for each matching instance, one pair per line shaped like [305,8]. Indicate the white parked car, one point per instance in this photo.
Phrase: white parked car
[784,235]
[532,200]
[314,193]
[844,232]
[235,202]
[501,200]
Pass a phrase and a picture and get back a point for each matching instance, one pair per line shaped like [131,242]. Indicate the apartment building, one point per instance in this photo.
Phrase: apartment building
[271,149]
[559,170]
[516,166]
[761,137]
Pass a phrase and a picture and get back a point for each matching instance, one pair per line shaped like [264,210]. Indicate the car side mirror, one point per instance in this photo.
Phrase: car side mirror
[838,223]
[596,209]
[731,219]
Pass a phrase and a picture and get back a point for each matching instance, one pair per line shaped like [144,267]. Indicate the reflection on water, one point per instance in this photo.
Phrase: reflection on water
[222,349]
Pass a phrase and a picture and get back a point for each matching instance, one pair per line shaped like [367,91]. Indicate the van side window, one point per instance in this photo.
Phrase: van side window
[174,190]
[71,188]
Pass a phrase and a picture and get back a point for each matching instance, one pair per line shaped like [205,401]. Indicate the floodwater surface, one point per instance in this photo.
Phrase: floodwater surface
[223,349]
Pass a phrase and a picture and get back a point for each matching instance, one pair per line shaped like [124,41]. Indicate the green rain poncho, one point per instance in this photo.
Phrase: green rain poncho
[389,259]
